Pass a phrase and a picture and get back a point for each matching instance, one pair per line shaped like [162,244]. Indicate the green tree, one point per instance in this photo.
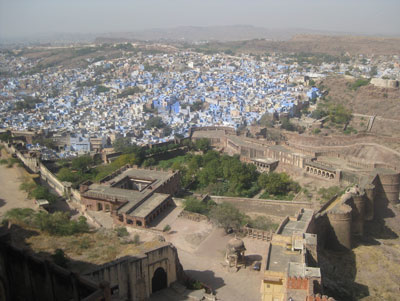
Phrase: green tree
[277,183]
[227,216]
[267,120]
[65,174]
[203,144]
[101,89]
[155,122]
[82,163]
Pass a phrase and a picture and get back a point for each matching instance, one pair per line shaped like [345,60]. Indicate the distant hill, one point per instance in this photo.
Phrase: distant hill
[212,33]
[241,38]
[333,45]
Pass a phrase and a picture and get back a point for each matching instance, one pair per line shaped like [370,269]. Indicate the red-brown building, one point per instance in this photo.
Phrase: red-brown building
[134,196]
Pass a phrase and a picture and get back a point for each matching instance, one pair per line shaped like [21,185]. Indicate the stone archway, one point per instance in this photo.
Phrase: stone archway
[159,280]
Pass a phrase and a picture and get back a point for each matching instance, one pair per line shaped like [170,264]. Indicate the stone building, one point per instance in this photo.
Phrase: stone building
[134,196]
[290,270]
[137,277]
[234,254]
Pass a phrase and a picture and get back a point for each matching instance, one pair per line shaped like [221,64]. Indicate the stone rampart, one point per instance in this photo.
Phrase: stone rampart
[134,277]
[51,180]
[341,222]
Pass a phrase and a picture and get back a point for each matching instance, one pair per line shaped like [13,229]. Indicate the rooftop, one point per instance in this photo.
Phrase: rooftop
[149,205]
[299,269]
[298,225]
[106,192]
[280,257]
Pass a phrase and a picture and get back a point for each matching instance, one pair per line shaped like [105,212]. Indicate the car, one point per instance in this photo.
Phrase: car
[257,266]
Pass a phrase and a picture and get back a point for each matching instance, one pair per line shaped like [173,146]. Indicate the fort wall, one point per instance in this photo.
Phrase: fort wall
[27,277]
[133,277]
[341,223]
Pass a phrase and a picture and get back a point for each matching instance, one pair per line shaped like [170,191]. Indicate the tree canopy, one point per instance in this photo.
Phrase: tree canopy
[277,183]
[155,122]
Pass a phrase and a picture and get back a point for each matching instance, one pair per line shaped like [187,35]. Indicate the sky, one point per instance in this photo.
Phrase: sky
[19,18]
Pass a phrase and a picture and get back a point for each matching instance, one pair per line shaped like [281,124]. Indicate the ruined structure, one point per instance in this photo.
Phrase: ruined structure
[134,196]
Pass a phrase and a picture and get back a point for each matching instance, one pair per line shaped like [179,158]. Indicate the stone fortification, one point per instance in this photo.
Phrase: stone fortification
[342,218]
[385,83]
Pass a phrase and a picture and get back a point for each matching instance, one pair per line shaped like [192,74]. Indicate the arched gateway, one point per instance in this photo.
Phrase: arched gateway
[159,280]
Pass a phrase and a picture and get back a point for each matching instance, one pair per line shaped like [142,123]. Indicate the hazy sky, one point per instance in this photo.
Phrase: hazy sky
[27,17]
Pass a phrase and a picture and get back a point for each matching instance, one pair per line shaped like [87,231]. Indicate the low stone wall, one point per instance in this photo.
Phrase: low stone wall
[273,208]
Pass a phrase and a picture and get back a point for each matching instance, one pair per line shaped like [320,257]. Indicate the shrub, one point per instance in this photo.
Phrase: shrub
[197,206]
[122,232]
[317,131]
[59,223]
[359,83]
[59,258]
[227,216]
[84,243]
[262,223]
[136,239]
[167,228]
[328,193]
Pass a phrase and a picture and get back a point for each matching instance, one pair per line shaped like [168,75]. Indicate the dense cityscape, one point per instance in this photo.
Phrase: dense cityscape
[154,97]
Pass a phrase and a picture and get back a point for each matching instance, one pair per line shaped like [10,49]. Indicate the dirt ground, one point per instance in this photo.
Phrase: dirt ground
[201,249]
[10,194]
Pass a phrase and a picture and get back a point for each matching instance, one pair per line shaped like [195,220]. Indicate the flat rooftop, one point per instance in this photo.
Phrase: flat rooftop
[143,174]
[279,258]
[103,191]
[299,225]
[149,205]
[299,269]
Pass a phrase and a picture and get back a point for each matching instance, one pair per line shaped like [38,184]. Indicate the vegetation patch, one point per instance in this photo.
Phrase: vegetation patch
[328,193]
[58,223]
[278,186]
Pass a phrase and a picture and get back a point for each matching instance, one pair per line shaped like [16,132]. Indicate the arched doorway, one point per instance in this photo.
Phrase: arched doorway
[159,280]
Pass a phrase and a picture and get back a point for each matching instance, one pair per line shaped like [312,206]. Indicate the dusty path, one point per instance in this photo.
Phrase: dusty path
[10,194]
[201,248]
